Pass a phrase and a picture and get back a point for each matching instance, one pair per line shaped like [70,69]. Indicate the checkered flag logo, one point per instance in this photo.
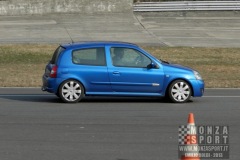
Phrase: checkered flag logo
[183,132]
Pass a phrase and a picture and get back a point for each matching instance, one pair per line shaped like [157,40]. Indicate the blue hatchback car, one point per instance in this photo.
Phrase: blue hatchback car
[116,69]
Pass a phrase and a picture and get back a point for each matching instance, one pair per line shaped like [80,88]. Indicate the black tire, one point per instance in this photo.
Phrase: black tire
[179,91]
[71,91]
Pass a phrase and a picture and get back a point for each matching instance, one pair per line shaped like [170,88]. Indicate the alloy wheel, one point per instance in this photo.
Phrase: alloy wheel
[180,91]
[71,91]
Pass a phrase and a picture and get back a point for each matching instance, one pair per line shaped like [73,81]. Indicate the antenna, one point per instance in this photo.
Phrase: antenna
[69,35]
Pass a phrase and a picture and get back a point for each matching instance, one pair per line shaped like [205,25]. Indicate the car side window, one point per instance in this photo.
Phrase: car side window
[128,57]
[91,56]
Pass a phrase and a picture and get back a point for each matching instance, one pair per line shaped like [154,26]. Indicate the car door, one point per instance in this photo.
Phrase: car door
[129,72]
[91,68]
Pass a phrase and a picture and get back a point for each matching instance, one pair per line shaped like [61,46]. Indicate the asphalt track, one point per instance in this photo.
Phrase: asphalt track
[35,125]
[193,29]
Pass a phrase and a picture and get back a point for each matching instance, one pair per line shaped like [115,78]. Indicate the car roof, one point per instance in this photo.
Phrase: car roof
[95,43]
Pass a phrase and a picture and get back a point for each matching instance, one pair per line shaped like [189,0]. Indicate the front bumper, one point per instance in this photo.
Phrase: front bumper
[198,87]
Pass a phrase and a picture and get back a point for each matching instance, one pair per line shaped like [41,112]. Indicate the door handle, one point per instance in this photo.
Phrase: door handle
[116,73]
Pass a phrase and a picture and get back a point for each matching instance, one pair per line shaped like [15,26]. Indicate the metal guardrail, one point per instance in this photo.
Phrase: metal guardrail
[187,6]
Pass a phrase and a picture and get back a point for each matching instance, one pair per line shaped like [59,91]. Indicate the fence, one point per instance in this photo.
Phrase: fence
[187,6]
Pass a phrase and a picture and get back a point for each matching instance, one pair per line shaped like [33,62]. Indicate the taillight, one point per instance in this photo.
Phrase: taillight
[53,73]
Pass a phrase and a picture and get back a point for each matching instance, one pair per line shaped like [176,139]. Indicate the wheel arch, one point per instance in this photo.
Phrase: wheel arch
[169,84]
[75,79]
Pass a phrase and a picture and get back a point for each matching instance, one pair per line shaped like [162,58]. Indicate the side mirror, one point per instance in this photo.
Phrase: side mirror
[152,65]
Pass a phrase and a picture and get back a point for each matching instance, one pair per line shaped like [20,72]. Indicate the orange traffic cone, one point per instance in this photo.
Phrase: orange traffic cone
[191,141]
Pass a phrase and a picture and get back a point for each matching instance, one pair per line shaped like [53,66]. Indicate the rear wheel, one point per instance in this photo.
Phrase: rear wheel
[71,91]
[179,91]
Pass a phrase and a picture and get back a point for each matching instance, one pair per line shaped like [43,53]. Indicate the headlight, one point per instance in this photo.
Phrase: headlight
[197,75]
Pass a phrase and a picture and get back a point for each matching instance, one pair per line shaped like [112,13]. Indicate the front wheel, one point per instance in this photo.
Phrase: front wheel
[71,91]
[179,91]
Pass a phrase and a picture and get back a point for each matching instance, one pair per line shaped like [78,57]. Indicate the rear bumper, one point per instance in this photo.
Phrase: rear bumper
[48,84]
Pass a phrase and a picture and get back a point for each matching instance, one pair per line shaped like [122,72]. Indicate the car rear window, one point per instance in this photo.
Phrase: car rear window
[90,56]
[56,54]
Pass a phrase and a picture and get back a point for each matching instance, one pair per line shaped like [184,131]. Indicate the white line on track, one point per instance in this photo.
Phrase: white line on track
[221,96]
[25,95]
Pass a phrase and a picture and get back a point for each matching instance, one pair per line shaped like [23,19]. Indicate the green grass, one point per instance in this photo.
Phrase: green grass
[29,54]
[23,65]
